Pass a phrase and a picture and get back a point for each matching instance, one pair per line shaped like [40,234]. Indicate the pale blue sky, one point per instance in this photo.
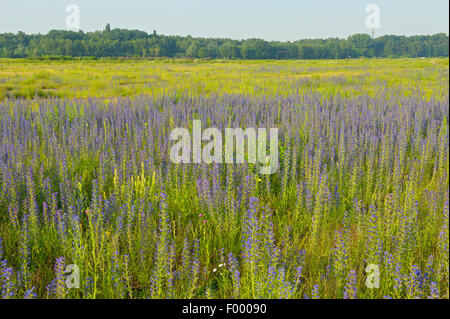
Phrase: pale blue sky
[282,20]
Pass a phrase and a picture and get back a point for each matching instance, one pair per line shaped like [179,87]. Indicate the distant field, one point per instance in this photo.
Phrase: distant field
[26,78]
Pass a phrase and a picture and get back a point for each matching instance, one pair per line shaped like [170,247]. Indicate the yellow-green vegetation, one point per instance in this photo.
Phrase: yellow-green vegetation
[28,78]
[358,206]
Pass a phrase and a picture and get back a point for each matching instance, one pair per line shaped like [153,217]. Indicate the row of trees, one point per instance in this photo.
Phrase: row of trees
[134,43]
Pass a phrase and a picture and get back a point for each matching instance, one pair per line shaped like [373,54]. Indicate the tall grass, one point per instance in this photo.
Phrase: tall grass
[363,179]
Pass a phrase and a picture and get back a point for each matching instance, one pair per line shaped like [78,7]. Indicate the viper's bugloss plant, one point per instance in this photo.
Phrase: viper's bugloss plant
[362,179]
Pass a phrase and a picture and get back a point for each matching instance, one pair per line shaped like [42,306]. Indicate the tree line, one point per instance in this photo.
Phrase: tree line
[139,44]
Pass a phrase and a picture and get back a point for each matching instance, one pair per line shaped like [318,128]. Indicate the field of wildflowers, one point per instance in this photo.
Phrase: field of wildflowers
[363,182]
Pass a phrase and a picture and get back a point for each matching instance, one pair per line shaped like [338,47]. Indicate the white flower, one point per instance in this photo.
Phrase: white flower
[215,269]
[220,265]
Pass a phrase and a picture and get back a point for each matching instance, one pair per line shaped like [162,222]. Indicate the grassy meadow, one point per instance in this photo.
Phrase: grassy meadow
[30,78]
[86,179]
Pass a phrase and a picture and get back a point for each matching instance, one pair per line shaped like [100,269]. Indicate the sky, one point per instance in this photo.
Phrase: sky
[280,20]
